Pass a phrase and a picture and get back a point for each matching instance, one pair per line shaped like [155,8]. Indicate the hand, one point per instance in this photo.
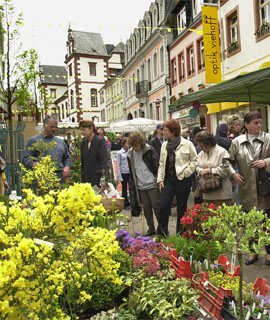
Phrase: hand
[6,184]
[259,164]
[204,172]
[238,179]
[161,186]
[35,164]
[66,172]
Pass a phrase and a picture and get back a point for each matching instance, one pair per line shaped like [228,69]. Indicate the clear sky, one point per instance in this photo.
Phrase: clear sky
[46,22]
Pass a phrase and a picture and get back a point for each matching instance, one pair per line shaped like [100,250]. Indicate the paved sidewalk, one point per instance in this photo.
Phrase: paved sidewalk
[258,269]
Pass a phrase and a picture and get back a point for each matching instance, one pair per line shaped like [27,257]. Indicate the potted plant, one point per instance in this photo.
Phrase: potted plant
[201,86]
[237,228]
[190,90]
[192,223]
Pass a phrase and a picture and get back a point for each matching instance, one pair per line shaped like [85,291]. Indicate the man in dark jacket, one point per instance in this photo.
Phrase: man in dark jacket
[157,141]
[143,163]
[93,154]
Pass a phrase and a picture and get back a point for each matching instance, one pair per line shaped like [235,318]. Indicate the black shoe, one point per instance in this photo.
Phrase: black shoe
[252,260]
[150,233]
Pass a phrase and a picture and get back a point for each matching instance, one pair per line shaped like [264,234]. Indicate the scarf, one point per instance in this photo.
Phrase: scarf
[171,147]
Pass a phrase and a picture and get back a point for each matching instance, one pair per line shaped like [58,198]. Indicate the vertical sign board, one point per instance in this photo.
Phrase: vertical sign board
[211,44]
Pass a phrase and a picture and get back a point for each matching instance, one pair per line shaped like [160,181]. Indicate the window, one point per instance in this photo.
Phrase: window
[190,61]
[264,8]
[196,7]
[148,28]
[92,69]
[149,69]
[200,51]
[72,99]
[142,71]
[53,93]
[93,97]
[161,57]
[133,82]
[70,70]
[155,18]
[233,21]
[155,65]
[138,75]
[161,9]
[174,71]
[232,32]
[181,63]
[102,97]
[129,86]
[181,20]
[63,111]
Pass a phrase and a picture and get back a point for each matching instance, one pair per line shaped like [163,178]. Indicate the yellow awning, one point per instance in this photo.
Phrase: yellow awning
[213,107]
[266,64]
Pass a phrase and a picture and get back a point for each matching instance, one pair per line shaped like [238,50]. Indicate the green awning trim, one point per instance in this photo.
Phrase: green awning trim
[249,87]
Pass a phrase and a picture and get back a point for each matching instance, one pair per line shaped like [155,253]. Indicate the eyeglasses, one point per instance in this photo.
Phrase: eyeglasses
[256,123]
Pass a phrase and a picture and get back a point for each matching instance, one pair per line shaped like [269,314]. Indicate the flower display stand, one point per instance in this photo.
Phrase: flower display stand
[182,267]
[211,298]
[260,285]
[223,260]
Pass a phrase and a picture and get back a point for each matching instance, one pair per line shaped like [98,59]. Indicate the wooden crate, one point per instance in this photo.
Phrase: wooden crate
[108,203]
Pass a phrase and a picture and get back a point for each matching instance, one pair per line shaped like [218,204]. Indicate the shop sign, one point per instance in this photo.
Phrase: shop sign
[211,44]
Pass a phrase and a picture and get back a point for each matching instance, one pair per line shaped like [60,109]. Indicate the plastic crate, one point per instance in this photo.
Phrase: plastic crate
[260,285]
[223,260]
[211,298]
[182,267]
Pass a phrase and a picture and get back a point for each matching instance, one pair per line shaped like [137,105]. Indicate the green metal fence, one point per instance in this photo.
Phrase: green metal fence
[17,150]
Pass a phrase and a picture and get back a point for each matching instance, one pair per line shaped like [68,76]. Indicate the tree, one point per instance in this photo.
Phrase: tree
[239,229]
[18,81]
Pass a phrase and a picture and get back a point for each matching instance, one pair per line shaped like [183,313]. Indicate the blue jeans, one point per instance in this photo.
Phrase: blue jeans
[180,189]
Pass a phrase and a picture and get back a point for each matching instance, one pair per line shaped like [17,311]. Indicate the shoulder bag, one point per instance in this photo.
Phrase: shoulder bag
[263,181]
[209,183]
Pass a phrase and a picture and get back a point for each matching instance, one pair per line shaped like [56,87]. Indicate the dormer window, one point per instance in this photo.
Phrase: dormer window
[181,20]
[196,7]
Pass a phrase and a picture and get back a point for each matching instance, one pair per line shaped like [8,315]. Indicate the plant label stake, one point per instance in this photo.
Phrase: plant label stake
[248,315]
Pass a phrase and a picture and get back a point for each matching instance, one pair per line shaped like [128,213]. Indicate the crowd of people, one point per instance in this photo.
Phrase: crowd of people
[167,167]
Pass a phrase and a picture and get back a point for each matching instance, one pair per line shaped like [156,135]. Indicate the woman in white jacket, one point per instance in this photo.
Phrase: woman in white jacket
[211,161]
[178,159]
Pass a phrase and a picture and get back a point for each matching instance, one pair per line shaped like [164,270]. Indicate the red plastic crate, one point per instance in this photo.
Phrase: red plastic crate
[260,284]
[223,260]
[211,298]
[182,267]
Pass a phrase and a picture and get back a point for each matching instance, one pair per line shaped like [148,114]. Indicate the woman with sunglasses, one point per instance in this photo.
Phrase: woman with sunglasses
[251,151]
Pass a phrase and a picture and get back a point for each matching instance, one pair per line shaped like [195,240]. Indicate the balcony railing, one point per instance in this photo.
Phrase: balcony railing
[142,88]
[233,47]
[263,30]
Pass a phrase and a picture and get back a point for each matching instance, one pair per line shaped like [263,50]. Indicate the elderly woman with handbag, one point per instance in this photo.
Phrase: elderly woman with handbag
[214,182]
[178,159]
[251,152]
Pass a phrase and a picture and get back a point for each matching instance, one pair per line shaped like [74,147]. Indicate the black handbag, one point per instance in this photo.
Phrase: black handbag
[136,209]
[209,183]
[263,181]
